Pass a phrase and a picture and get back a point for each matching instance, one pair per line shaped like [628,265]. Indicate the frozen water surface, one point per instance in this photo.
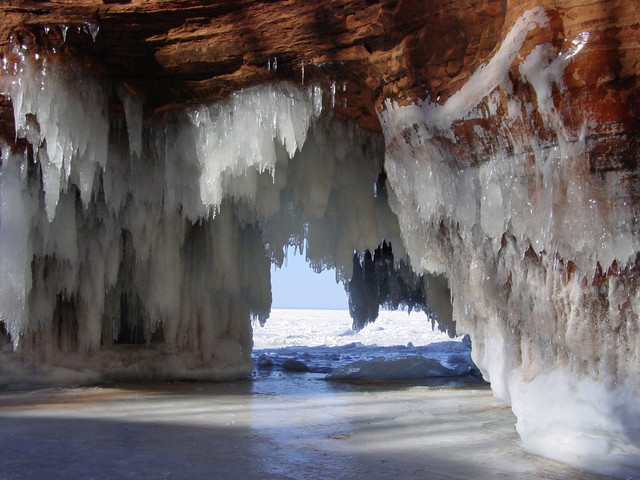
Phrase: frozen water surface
[291,427]
[293,327]
[277,425]
[398,346]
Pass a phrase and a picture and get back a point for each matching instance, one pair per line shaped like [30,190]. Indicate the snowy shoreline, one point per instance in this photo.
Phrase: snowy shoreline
[398,347]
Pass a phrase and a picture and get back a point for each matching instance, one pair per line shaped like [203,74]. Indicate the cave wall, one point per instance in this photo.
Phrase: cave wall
[510,134]
[540,245]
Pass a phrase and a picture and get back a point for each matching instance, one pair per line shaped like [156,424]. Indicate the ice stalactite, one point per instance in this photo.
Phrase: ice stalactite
[384,279]
[541,255]
[159,232]
[379,280]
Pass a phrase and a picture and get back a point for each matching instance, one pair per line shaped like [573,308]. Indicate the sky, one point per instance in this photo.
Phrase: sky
[295,285]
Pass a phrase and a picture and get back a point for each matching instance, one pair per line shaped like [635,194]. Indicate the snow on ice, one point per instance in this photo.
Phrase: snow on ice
[400,346]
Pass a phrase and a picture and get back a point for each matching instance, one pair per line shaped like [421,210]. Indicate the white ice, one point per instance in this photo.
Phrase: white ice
[162,234]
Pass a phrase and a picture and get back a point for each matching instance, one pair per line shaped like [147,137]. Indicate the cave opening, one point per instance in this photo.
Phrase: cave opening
[296,285]
[159,234]
[376,328]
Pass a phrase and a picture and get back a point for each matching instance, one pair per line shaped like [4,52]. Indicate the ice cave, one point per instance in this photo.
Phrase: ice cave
[477,160]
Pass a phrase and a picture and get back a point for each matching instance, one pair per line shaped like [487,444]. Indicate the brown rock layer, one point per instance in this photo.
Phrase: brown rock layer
[175,52]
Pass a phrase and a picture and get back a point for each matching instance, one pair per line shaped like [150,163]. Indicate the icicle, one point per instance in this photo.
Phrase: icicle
[333,94]
[93,30]
[133,111]
[62,138]
[63,29]
[316,92]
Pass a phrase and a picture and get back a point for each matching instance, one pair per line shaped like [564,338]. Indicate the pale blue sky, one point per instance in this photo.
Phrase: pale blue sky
[297,286]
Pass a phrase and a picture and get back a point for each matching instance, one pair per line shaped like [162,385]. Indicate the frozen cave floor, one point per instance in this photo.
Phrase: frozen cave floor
[276,425]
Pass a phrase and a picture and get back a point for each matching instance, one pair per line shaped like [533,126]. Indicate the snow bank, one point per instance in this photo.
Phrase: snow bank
[538,252]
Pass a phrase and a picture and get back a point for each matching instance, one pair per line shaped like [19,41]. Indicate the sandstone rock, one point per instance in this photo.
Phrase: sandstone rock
[175,52]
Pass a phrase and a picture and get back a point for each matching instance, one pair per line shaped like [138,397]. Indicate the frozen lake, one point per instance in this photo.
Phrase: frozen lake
[292,427]
[277,425]
[288,327]
[398,346]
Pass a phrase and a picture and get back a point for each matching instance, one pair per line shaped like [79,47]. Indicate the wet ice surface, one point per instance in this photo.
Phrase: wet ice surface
[278,424]
[292,427]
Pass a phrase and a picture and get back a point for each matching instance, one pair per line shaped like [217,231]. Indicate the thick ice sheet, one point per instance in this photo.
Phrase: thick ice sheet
[294,427]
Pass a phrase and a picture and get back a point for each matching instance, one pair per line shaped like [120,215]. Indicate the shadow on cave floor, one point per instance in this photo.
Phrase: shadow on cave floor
[264,429]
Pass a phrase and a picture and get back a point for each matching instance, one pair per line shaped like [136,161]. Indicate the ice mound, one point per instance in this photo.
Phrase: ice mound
[264,361]
[390,369]
[293,365]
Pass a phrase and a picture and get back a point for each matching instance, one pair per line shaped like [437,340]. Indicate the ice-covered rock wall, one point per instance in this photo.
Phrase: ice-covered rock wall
[511,154]
[160,232]
[541,252]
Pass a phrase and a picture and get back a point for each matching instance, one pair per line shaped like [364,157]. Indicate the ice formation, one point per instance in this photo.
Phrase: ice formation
[399,346]
[380,280]
[396,368]
[540,254]
[160,232]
